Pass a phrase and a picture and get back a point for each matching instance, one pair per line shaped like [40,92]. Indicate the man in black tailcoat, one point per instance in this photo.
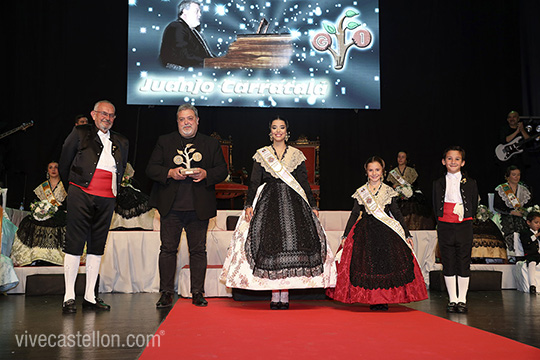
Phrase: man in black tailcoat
[92,162]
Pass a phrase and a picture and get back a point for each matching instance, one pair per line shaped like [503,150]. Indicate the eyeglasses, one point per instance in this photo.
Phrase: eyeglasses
[106,114]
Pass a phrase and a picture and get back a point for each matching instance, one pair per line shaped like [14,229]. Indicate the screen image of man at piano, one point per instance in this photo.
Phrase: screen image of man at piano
[182,44]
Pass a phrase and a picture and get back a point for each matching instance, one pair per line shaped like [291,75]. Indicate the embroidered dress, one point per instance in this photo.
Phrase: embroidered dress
[283,246]
[377,266]
[488,242]
[132,211]
[39,241]
[412,202]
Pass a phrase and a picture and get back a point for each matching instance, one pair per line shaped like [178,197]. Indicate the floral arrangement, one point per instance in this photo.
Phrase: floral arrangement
[528,210]
[483,213]
[43,210]
[128,175]
[404,191]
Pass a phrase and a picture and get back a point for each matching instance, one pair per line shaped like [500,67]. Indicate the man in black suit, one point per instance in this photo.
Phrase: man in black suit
[93,161]
[182,44]
[185,165]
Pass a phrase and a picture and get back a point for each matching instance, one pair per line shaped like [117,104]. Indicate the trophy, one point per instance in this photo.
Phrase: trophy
[185,157]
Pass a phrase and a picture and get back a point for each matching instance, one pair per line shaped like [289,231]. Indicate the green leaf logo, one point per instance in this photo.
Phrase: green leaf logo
[353,25]
[329,28]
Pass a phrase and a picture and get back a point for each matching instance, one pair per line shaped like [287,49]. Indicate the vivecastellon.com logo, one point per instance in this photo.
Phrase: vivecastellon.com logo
[84,340]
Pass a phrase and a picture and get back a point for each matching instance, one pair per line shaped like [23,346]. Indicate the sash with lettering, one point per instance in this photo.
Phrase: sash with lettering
[46,187]
[279,171]
[375,210]
[511,196]
[395,173]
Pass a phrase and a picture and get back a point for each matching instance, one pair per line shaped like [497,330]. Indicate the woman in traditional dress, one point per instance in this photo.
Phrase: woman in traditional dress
[279,243]
[378,265]
[412,203]
[510,199]
[41,235]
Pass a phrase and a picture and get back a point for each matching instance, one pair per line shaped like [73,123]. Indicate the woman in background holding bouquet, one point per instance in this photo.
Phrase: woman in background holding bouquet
[511,200]
[40,237]
[411,202]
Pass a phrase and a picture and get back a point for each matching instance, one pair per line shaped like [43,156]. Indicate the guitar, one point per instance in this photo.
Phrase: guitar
[24,126]
[506,151]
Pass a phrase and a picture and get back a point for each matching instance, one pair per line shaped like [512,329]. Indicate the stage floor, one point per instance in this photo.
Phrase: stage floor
[134,318]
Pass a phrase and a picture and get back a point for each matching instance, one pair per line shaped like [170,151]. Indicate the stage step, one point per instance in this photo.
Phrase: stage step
[481,280]
[212,286]
[53,284]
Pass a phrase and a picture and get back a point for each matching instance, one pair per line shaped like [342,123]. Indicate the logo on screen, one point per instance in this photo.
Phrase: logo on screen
[339,47]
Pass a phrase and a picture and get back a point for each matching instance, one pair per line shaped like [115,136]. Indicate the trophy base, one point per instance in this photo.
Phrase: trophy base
[187,172]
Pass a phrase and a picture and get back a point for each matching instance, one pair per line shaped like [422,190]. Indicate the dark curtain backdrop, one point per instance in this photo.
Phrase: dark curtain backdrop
[450,73]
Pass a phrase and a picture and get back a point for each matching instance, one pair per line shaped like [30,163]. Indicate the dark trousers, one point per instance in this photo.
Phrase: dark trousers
[170,232]
[88,220]
[455,245]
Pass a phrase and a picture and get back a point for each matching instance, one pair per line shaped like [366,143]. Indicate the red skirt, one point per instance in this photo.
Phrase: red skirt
[389,272]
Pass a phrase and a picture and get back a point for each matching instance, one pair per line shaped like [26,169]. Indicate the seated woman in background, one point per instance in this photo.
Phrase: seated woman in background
[40,237]
[411,203]
[510,199]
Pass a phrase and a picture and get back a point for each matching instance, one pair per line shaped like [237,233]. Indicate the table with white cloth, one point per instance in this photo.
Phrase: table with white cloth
[130,262]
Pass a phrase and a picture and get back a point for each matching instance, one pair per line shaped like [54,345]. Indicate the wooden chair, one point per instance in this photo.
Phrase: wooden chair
[311,152]
[229,189]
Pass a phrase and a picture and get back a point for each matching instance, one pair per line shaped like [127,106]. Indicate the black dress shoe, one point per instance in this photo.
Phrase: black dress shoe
[275,305]
[451,307]
[532,289]
[199,300]
[461,308]
[99,305]
[283,306]
[164,301]
[68,307]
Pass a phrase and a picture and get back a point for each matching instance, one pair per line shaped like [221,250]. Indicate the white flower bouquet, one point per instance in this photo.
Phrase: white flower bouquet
[43,210]
[404,191]
[528,210]
[483,213]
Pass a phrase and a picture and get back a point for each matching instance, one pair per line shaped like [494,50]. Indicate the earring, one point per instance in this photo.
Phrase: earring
[271,137]
[287,136]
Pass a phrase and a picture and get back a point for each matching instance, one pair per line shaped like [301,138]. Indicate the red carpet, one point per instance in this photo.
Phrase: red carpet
[227,329]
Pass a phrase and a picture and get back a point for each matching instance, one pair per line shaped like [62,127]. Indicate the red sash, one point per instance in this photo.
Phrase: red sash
[449,216]
[100,185]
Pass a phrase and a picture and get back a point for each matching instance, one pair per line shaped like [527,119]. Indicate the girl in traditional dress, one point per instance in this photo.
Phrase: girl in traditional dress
[378,265]
[279,243]
[510,199]
[412,203]
[41,235]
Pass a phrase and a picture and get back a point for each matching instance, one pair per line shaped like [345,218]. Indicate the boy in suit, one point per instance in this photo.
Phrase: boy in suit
[455,200]
[531,248]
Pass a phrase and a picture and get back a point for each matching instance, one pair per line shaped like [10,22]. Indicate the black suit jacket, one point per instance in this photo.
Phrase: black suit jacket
[530,243]
[180,46]
[469,195]
[164,189]
[81,151]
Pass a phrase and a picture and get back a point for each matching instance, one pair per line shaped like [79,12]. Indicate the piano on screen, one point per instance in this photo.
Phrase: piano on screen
[255,51]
